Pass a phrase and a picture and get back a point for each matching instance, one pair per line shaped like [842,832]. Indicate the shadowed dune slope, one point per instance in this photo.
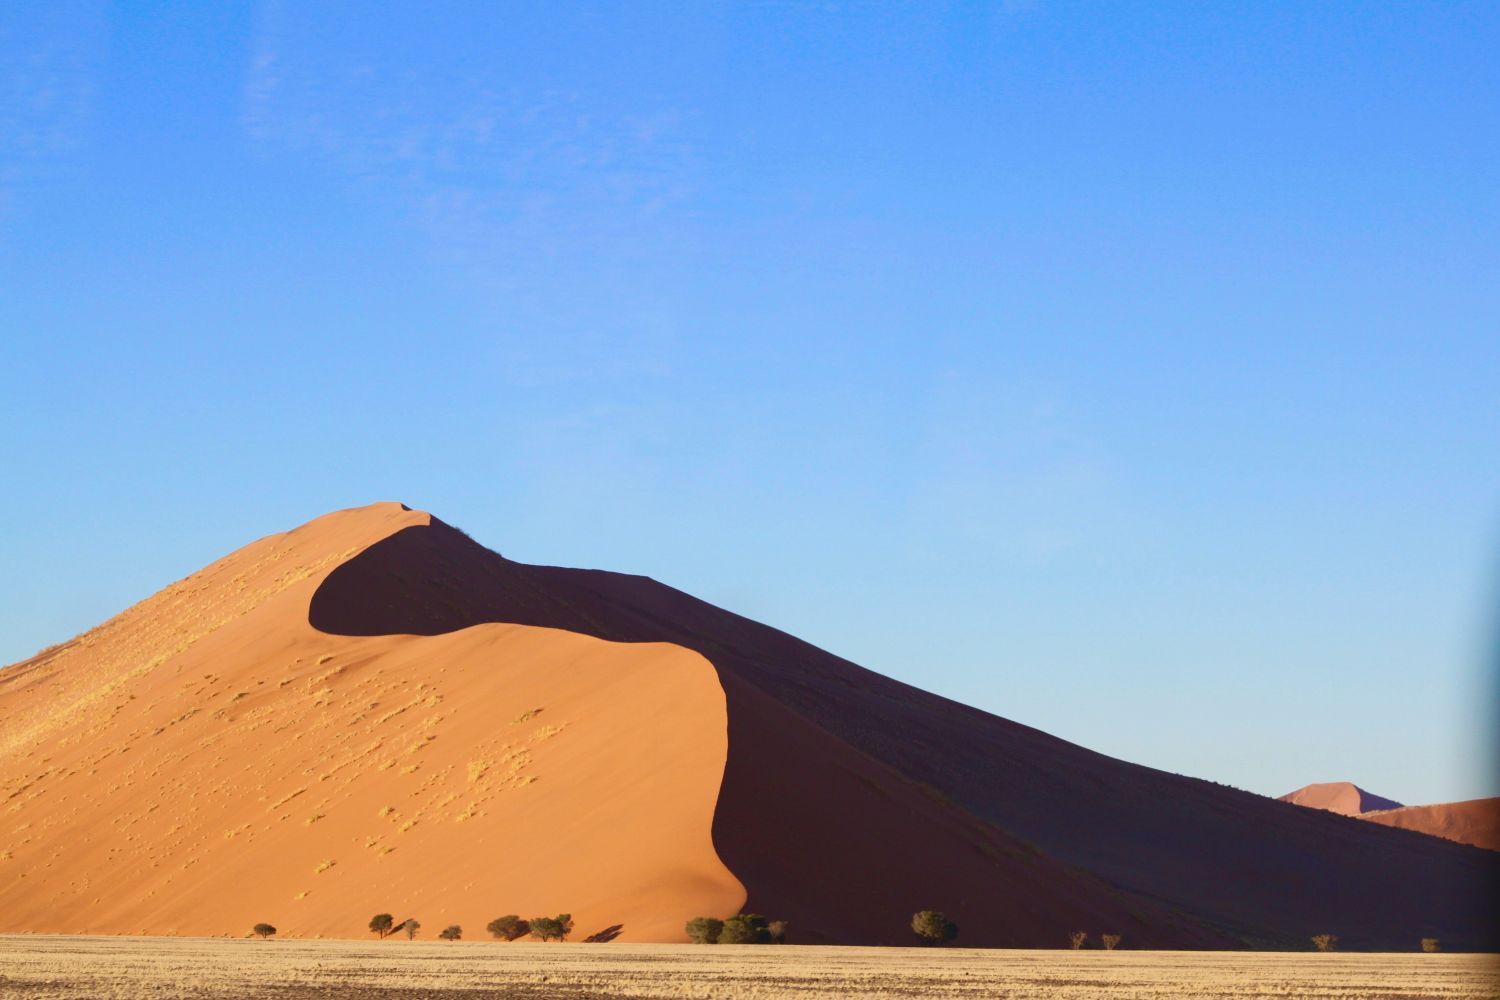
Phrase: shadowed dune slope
[846,793]
[1475,821]
[1342,797]
[207,759]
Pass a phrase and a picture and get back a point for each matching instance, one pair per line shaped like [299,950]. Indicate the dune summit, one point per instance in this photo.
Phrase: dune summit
[374,713]
[1342,797]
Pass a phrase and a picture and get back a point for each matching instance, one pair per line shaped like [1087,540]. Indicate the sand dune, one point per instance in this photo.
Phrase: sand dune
[1342,797]
[372,712]
[208,759]
[1196,864]
[1475,821]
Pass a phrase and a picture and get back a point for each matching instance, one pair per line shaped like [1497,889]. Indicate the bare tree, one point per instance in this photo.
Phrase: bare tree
[1325,942]
[1431,945]
[1110,941]
[411,926]
[1078,939]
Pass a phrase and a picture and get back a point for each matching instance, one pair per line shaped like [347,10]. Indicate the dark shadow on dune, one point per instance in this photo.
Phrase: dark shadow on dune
[608,934]
[850,800]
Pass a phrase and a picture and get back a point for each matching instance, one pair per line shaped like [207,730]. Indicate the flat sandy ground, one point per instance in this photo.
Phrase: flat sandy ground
[103,968]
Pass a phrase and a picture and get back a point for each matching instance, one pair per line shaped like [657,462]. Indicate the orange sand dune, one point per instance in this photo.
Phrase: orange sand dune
[207,759]
[1011,830]
[1342,797]
[1476,821]
[373,712]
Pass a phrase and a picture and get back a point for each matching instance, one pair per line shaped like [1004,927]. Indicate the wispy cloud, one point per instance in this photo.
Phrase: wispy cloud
[485,162]
[513,180]
[47,70]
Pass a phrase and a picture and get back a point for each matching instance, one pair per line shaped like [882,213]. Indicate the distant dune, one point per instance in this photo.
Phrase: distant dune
[1476,821]
[374,713]
[1343,797]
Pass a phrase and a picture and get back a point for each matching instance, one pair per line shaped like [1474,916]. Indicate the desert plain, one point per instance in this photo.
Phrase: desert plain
[51,967]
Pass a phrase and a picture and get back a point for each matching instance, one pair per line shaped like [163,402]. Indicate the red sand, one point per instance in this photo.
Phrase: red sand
[1476,821]
[146,766]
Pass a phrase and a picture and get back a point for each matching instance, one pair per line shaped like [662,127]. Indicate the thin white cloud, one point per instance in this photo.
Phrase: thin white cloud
[47,70]
[511,180]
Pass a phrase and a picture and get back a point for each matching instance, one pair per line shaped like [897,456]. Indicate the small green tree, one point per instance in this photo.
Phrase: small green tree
[1325,942]
[508,928]
[411,925]
[263,931]
[704,930]
[381,923]
[745,928]
[933,926]
[451,933]
[552,928]
[1431,945]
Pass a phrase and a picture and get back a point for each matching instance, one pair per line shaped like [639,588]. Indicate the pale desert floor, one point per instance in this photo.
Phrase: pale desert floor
[105,968]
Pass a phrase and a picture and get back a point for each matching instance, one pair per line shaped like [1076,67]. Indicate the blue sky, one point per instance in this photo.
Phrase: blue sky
[1128,370]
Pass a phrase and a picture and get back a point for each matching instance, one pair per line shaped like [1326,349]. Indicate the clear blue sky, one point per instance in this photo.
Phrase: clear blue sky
[1128,370]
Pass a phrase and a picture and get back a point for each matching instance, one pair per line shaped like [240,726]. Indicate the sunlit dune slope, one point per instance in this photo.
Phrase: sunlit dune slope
[207,759]
[1475,821]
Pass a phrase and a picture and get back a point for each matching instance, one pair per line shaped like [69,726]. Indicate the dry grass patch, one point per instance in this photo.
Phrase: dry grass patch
[45,967]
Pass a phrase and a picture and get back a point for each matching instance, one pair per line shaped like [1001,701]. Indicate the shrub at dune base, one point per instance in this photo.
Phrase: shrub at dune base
[742,928]
[933,926]
[552,928]
[1431,945]
[704,930]
[451,933]
[263,931]
[508,928]
[745,928]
